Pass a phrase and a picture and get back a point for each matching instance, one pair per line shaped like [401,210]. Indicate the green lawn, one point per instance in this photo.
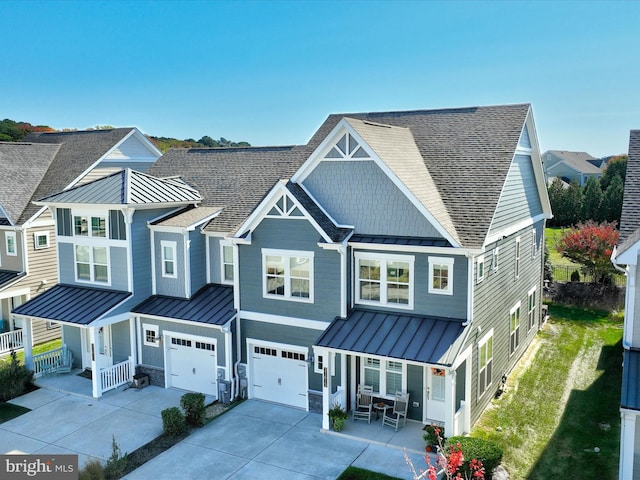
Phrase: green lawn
[551,236]
[42,347]
[562,401]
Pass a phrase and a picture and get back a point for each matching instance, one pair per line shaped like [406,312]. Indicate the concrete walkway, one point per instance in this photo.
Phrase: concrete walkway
[69,424]
[258,440]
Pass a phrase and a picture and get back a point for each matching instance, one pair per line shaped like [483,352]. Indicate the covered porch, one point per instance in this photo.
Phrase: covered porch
[391,352]
[93,342]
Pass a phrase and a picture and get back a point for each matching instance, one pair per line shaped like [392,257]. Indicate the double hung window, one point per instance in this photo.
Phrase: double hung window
[92,264]
[485,362]
[386,376]
[441,275]
[168,259]
[384,279]
[10,240]
[288,275]
[514,328]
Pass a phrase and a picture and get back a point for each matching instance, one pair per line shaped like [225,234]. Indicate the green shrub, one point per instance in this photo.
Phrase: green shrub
[173,422]
[92,470]
[14,378]
[575,276]
[489,453]
[194,410]
[116,463]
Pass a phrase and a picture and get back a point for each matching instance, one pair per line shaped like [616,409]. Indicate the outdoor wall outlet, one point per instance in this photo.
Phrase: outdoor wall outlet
[416,404]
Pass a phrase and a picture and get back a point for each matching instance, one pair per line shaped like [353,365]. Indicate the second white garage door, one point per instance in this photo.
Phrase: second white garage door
[279,374]
[192,364]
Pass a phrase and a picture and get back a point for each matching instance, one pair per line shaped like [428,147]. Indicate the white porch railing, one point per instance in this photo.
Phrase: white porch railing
[47,362]
[116,375]
[338,397]
[10,341]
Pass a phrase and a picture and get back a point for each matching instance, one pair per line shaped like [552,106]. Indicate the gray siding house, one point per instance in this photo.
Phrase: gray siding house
[43,164]
[406,254]
[626,254]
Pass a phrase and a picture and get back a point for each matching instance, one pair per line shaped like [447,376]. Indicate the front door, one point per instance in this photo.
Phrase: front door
[104,353]
[435,381]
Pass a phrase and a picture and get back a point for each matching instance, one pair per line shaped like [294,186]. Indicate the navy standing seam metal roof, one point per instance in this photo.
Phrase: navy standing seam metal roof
[72,304]
[424,339]
[212,304]
[630,386]
[7,277]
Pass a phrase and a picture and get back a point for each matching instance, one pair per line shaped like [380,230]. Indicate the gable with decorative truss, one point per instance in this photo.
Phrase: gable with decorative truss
[347,148]
[285,206]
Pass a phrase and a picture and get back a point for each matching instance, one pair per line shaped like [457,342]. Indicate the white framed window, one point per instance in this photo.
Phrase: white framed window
[479,269]
[226,262]
[495,263]
[90,225]
[517,258]
[10,243]
[287,275]
[386,376]
[40,240]
[534,243]
[441,275]
[485,362]
[169,264]
[92,264]
[319,363]
[384,279]
[514,329]
[151,335]
[531,308]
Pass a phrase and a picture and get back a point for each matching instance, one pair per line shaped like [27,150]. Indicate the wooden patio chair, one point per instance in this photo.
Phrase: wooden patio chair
[66,361]
[364,403]
[393,416]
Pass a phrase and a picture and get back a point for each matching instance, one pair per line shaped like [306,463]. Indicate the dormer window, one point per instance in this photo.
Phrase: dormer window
[90,226]
[168,259]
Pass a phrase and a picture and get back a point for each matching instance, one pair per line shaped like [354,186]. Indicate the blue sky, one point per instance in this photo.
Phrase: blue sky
[270,72]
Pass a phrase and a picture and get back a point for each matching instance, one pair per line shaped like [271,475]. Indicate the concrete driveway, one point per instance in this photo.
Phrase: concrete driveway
[61,423]
[259,440]
[254,440]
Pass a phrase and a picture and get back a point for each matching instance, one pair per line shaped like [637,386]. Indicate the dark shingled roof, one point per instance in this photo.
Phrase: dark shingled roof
[7,278]
[22,167]
[417,338]
[630,219]
[71,304]
[467,151]
[78,151]
[337,234]
[630,374]
[212,304]
[236,179]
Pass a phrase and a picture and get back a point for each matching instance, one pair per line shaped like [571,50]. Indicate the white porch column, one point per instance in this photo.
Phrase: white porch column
[27,342]
[326,388]
[450,400]
[95,377]
[353,388]
[627,443]
[133,342]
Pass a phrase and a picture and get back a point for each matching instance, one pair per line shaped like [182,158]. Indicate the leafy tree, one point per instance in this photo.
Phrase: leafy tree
[12,131]
[592,200]
[208,141]
[556,193]
[566,203]
[612,200]
[617,166]
[590,244]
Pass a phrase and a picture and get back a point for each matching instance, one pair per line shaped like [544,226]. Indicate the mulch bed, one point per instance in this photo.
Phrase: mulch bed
[155,447]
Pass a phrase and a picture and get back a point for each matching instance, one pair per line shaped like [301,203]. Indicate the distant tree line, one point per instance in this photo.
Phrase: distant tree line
[12,131]
[600,200]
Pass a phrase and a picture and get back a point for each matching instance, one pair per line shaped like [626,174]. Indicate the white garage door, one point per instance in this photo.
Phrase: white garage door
[279,374]
[193,365]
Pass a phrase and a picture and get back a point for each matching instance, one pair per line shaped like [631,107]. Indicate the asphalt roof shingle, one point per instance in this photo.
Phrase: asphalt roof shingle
[467,152]
[630,219]
[248,174]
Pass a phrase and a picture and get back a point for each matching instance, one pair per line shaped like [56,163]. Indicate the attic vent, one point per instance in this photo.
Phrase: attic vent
[347,147]
[376,124]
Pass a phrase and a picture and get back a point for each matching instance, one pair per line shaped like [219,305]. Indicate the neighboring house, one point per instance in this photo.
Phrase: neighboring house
[571,166]
[45,163]
[627,253]
[401,249]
